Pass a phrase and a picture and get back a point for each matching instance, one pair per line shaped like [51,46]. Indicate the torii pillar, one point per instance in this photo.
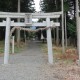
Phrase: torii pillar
[49,42]
[7,41]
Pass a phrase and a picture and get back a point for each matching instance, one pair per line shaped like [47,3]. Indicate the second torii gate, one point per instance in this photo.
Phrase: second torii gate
[28,22]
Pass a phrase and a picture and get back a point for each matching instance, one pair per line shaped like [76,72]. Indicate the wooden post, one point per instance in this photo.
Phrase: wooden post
[25,37]
[57,28]
[78,29]
[12,44]
[54,36]
[19,5]
[7,41]
[65,31]
[57,35]
[18,36]
[49,42]
[63,47]
[18,31]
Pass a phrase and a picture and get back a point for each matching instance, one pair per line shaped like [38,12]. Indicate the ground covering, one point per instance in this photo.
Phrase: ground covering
[32,64]
[70,54]
[65,65]
[17,47]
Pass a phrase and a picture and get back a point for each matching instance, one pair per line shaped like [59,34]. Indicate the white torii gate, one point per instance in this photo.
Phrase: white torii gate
[28,22]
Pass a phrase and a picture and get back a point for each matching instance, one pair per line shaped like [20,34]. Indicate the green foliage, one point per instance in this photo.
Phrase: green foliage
[50,5]
[26,6]
[69,6]
[66,6]
[16,50]
[71,26]
[11,5]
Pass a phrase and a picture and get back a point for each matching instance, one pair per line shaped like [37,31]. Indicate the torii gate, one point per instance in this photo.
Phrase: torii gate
[28,22]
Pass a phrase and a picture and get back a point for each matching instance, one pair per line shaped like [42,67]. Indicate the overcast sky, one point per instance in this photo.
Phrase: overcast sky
[37,5]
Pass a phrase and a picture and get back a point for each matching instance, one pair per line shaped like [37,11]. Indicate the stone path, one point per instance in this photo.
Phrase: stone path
[32,64]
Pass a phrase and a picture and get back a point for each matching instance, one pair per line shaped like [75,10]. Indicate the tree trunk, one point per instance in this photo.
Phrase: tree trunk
[65,31]
[18,31]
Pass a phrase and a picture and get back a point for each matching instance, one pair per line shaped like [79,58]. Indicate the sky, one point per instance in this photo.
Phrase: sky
[37,7]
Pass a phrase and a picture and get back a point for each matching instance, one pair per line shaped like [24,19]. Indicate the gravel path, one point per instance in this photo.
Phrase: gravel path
[29,65]
[32,64]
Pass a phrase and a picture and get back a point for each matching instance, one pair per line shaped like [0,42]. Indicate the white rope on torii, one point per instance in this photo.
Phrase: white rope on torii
[29,30]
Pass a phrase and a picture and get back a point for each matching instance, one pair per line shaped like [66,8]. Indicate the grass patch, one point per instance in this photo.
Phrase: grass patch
[44,48]
[69,56]
[17,49]
[1,47]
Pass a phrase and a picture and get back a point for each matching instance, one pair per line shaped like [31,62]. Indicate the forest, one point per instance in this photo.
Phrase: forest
[27,6]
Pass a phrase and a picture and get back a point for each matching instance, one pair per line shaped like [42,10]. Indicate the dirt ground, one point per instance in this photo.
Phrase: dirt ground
[65,66]
[64,71]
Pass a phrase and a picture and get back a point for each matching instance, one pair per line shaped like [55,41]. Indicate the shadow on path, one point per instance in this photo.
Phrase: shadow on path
[31,55]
